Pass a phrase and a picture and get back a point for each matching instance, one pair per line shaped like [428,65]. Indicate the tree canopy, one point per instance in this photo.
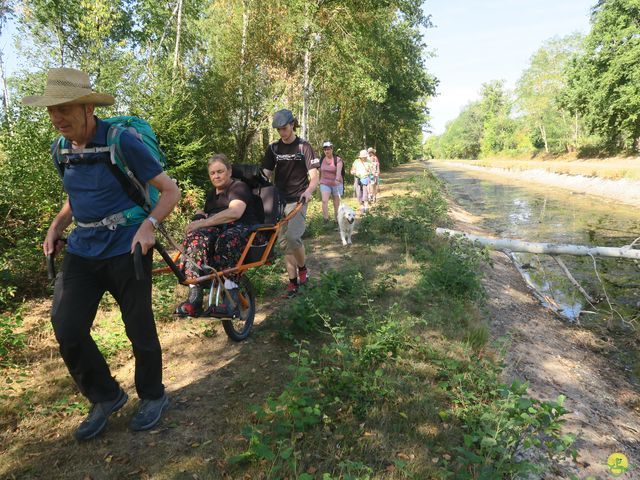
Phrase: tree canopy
[207,75]
[578,94]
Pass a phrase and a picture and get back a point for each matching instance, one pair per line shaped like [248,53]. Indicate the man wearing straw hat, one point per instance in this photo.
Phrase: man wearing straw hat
[98,257]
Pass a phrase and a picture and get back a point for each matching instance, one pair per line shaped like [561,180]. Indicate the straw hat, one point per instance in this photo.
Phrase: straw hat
[68,86]
[363,154]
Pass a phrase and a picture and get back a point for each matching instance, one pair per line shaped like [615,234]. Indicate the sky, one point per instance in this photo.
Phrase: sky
[473,41]
[479,41]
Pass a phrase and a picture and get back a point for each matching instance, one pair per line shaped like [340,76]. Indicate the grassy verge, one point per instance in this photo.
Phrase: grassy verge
[609,168]
[390,374]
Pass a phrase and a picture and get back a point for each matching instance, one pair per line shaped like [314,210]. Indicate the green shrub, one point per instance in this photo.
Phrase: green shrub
[11,342]
[505,432]
[335,296]
[454,271]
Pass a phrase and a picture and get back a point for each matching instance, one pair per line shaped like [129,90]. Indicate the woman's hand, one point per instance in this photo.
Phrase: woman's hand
[195,225]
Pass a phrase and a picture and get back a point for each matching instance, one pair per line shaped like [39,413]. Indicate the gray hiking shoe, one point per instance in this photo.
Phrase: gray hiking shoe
[96,421]
[149,413]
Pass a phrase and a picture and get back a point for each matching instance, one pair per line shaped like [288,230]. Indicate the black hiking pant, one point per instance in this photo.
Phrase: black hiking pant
[79,287]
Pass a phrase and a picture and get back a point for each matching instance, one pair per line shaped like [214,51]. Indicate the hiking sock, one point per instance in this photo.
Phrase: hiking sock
[230,284]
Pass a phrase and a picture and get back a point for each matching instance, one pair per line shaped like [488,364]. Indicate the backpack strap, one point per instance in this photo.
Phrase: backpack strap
[274,148]
[131,185]
[56,146]
[64,157]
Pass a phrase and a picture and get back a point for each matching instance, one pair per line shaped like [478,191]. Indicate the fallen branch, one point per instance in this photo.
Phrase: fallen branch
[548,248]
[544,299]
[573,280]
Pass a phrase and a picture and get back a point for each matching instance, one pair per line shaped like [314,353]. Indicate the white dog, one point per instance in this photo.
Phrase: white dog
[346,221]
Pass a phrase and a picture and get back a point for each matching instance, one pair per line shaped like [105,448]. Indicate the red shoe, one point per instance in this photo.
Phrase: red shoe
[291,291]
[225,310]
[303,276]
[192,307]
[187,309]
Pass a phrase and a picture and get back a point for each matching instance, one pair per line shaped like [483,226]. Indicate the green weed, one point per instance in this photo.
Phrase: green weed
[268,278]
[7,289]
[164,295]
[111,337]
[337,295]
[410,218]
[274,436]
[505,432]
[454,271]
[11,341]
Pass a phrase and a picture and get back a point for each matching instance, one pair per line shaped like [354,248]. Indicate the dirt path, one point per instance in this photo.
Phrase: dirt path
[211,380]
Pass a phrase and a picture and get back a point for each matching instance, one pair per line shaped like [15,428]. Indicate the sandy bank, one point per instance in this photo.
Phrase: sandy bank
[623,191]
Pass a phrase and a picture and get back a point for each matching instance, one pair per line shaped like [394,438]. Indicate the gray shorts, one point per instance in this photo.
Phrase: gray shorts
[291,234]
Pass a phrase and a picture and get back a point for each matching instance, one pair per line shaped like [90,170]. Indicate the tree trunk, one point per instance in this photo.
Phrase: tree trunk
[306,94]
[245,28]
[311,41]
[6,100]
[543,133]
[176,51]
[242,136]
[547,248]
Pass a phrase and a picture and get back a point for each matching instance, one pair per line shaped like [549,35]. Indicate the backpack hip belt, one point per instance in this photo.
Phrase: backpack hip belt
[111,222]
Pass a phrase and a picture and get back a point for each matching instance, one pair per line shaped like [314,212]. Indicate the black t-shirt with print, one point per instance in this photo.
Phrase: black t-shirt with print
[237,190]
[290,164]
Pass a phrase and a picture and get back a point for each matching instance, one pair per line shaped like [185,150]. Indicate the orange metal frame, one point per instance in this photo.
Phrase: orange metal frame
[241,267]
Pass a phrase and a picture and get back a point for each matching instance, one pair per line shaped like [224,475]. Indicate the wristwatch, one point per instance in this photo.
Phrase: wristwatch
[154,221]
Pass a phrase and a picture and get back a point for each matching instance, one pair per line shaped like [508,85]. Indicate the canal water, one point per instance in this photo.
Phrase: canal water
[535,213]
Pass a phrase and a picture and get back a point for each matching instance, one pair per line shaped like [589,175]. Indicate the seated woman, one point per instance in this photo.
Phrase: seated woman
[217,236]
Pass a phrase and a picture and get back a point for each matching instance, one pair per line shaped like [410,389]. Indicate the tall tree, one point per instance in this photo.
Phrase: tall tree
[538,91]
[604,83]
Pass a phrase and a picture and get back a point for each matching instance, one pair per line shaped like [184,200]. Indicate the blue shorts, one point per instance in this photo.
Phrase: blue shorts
[337,191]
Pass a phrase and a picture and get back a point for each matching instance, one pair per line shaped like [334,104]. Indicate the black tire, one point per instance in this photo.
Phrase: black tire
[237,329]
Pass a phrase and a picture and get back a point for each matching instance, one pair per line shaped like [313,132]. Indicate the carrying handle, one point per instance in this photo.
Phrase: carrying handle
[51,267]
[51,264]
[139,267]
[169,261]
[137,262]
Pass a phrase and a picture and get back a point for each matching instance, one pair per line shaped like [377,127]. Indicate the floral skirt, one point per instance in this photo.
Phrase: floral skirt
[219,247]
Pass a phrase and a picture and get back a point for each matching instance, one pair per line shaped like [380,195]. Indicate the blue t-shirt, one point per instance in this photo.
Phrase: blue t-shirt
[95,193]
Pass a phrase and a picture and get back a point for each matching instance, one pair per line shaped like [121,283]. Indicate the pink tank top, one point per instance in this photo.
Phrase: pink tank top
[329,173]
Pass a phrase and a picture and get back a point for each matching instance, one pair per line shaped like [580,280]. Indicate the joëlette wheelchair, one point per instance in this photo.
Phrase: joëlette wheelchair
[258,251]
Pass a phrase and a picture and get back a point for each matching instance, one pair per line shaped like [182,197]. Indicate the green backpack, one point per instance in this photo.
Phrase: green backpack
[145,196]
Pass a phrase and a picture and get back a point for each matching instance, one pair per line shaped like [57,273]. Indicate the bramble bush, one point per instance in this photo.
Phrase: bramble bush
[505,432]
